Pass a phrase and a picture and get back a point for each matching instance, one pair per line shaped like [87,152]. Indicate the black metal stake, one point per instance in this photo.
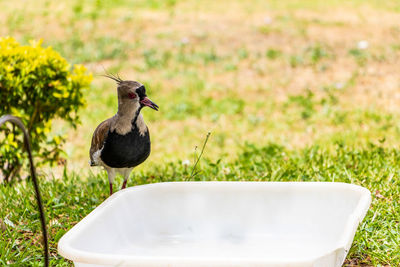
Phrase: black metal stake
[27,142]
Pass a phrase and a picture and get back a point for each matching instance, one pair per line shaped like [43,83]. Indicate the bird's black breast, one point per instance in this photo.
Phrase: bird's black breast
[125,151]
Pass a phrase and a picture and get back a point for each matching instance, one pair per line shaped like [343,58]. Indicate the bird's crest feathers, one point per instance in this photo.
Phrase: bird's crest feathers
[114,77]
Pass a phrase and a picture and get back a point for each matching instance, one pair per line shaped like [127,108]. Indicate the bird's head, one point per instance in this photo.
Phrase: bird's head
[134,92]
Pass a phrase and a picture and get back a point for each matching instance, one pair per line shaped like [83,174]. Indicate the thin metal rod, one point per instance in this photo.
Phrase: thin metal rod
[27,142]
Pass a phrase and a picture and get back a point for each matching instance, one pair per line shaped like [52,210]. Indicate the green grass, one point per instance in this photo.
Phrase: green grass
[69,199]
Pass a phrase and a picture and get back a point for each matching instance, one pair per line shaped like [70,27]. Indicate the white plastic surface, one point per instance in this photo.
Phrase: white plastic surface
[220,224]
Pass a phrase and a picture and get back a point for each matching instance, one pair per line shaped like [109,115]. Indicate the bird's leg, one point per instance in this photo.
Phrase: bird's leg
[124,184]
[126,174]
[111,176]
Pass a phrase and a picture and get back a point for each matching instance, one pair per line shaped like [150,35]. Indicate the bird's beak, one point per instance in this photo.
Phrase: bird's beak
[148,103]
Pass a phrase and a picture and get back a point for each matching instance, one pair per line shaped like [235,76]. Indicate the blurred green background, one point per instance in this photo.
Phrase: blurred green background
[291,72]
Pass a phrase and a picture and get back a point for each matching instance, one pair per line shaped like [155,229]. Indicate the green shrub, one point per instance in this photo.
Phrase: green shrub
[37,85]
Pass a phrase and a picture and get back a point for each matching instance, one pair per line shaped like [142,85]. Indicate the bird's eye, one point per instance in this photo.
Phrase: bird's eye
[132,95]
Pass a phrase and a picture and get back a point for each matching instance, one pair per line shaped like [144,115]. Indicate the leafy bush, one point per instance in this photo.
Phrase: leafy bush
[37,85]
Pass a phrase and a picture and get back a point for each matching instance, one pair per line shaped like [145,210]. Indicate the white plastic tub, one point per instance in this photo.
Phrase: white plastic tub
[220,224]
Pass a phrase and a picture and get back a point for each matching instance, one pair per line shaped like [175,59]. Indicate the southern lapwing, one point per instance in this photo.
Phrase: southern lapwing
[123,141]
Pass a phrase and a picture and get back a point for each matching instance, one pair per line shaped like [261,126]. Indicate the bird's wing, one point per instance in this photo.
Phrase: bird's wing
[99,136]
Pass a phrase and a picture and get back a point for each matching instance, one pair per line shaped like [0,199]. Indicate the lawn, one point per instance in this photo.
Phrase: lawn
[69,199]
[290,91]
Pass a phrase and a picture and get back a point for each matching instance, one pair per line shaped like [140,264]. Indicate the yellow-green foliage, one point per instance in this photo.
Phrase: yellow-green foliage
[37,85]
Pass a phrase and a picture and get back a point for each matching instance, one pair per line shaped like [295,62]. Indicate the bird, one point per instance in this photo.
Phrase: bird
[122,142]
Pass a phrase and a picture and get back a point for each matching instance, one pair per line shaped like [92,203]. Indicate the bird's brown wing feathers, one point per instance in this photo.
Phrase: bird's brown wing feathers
[99,136]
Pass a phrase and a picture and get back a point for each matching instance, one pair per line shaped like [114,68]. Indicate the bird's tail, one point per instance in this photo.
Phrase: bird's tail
[92,163]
